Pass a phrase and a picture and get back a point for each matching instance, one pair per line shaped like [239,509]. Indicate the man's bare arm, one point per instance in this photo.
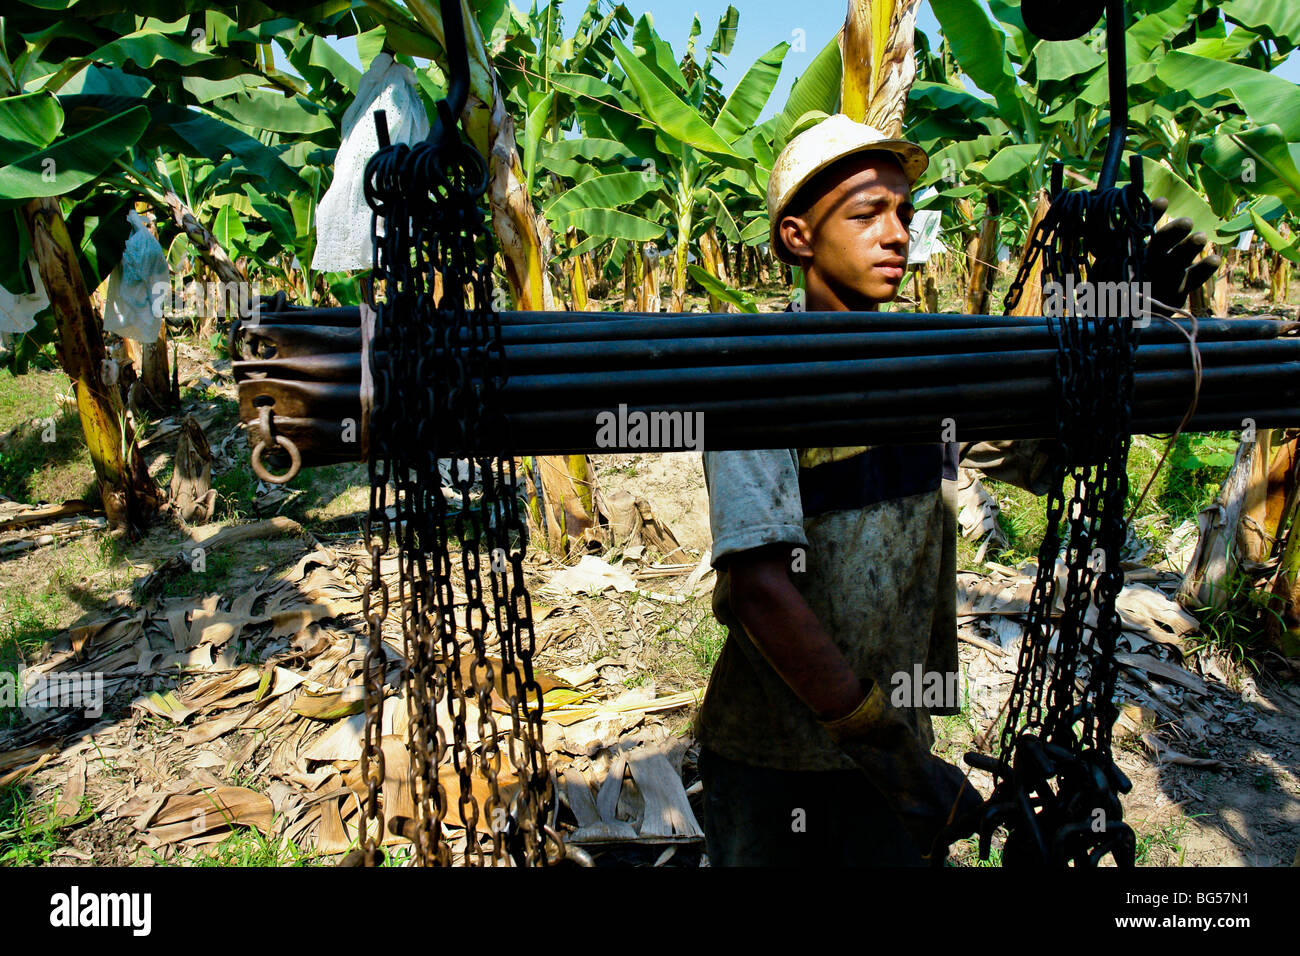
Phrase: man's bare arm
[928,794]
[787,633]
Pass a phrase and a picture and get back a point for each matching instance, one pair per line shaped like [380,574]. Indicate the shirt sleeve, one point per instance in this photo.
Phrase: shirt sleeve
[1025,463]
[753,500]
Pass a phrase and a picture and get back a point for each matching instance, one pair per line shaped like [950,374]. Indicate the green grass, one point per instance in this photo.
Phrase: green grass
[1190,477]
[966,551]
[29,834]
[702,643]
[236,491]
[34,468]
[1168,836]
[1022,516]
[247,846]
[319,495]
[1188,481]
[218,566]
[628,470]
[27,622]
[1238,626]
[966,853]
[244,846]
[685,646]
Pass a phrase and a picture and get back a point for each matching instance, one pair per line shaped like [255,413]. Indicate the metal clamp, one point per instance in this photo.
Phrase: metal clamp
[295,457]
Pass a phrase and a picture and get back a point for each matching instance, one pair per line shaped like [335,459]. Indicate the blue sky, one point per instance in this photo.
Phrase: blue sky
[763,24]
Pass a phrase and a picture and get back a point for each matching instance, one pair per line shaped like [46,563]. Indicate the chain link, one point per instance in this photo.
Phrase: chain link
[436,394]
[1057,789]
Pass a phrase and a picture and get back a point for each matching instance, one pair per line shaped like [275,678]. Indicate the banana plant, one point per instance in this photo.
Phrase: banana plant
[673,137]
[83,108]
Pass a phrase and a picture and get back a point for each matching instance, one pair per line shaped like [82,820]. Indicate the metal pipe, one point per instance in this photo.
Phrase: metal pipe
[761,349]
[878,431]
[666,387]
[523,327]
[329,343]
[1117,71]
[1029,397]
[453,32]
[822,323]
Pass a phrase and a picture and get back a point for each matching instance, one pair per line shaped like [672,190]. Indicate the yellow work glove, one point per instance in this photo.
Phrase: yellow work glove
[932,797]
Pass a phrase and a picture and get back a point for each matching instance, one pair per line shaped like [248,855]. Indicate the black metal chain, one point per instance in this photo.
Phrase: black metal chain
[1057,786]
[436,391]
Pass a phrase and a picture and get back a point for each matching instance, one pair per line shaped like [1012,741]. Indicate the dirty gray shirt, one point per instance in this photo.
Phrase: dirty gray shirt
[873,537]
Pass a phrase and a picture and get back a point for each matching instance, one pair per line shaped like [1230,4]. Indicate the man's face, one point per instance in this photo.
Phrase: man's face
[852,242]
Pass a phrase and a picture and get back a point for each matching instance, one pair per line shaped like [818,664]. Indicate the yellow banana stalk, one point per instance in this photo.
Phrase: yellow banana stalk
[1030,301]
[578,277]
[519,231]
[876,45]
[715,265]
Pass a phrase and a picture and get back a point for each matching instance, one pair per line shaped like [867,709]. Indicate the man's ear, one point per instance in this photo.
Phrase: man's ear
[796,233]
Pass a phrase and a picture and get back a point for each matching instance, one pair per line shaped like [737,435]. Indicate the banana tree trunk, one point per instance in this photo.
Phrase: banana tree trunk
[130,496]
[149,361]
[1222,287]
[715,265]
[522,236]
[155,375]
[1219,546]
[1211,299]
[630,259]
[1030,300]
[1285,592]
[647,299]
[876,47]
[980,285]
[567,490]
[1277,287]
[1280,285]
[925,289]
[1284,503]
[678,299]
[577,275]
[681,250]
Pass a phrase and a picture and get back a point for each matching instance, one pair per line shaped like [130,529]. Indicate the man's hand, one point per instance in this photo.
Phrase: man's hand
[934,800]
[1171,264]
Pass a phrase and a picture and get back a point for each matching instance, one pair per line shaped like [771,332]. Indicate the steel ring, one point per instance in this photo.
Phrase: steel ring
[295,461]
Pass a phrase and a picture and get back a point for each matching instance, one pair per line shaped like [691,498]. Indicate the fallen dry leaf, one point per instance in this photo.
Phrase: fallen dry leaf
[185,816]
[74,789]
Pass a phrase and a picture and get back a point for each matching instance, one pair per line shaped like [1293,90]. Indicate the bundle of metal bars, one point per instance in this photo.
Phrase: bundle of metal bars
[769,380]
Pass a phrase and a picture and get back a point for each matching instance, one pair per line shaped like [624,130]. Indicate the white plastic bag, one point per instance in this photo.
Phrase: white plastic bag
[924,236]
[342,217]
[18,312]
[136,288]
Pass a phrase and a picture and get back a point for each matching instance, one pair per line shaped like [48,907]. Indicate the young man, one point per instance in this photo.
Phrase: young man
[837,568]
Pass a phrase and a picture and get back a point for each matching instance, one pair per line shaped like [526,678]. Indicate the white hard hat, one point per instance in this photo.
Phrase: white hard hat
[816,148]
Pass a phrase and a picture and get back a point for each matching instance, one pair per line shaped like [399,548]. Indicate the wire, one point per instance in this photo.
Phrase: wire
[1196,391]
